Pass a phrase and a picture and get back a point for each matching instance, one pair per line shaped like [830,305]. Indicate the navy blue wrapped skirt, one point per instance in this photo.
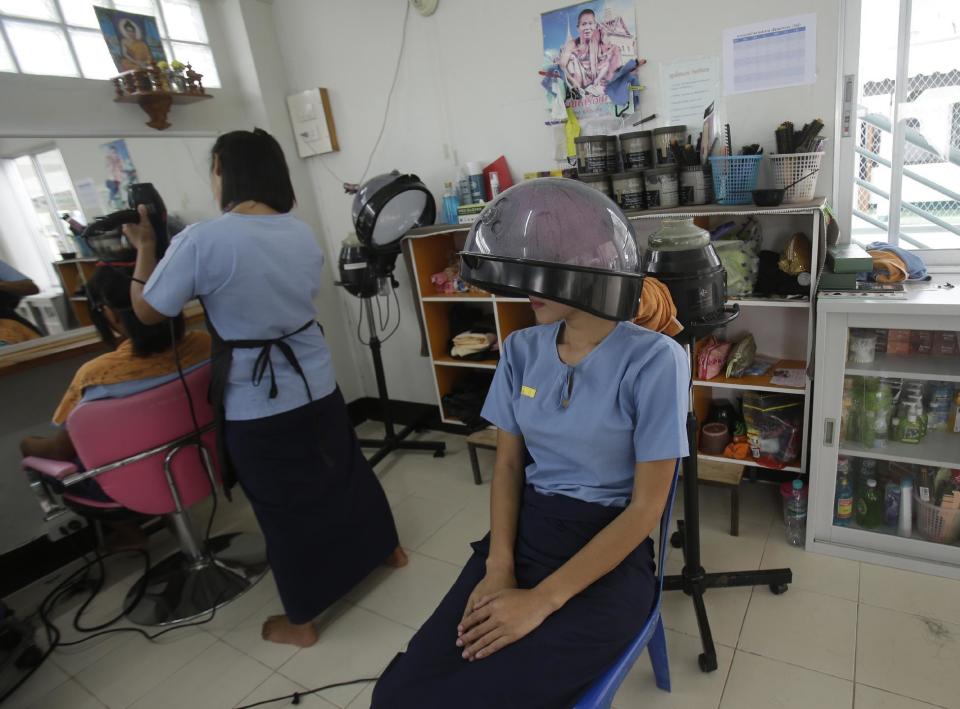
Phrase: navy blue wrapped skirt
[324,516]
[552,666]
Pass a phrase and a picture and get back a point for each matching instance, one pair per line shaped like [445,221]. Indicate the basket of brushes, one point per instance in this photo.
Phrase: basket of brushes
[735,177]
[797,162]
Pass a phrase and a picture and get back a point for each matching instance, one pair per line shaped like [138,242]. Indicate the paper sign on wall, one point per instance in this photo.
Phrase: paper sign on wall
[770,55]
[688,87]
[89,197]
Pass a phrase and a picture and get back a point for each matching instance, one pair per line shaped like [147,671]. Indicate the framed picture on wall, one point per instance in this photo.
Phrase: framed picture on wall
[133,40]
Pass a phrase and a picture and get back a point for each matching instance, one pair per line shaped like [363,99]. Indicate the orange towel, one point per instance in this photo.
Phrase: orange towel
[657,311]
[122,365]
[13,332]
[888,267]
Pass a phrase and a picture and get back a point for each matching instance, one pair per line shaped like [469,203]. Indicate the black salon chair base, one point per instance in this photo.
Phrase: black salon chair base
[187,587]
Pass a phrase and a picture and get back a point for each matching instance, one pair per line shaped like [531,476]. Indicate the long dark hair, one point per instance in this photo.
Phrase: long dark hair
[110,287]
[252,167]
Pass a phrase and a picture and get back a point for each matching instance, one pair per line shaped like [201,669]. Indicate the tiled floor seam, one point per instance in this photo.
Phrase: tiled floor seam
[793,664]
[902,696]
[856,636]
[955,621]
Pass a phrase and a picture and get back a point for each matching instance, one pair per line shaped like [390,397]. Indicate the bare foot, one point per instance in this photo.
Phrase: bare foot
[397,559]
[277,629]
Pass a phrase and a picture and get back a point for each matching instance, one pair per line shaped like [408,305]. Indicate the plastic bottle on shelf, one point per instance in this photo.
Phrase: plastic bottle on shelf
[463,187]
[939,401]
[953,423]
[795,514]
[847,408]
[891,504]
[843,514]
[905,521]
[869,506]
[450,203]
[477,191]
[878,403]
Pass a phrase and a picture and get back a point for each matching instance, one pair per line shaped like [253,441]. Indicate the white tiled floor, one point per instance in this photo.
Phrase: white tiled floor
[846,635]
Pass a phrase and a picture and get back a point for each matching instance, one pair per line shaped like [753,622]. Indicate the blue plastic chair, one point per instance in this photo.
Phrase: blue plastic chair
[600,694]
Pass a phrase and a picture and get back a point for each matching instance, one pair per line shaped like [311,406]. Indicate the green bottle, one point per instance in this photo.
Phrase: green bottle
[870,506]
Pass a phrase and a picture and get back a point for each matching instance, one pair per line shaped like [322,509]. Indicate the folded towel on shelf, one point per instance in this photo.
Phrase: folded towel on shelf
[470,343]
[888,267]
[915,268]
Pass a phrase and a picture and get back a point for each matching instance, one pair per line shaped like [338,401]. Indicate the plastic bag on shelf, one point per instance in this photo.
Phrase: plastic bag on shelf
[774,425]
[712,357]
[742,357]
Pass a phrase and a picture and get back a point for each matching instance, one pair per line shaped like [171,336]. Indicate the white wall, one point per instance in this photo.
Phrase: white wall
[468,88]
[178,166]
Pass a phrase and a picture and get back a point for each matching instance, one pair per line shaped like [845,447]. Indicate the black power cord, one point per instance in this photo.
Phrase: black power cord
[295,697]
[76,581]
[80,578]
[196,429]
[383,323]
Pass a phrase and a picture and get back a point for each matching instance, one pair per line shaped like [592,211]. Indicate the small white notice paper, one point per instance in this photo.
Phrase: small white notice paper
[89,198]
[770,55]
[789,377]
[689,86]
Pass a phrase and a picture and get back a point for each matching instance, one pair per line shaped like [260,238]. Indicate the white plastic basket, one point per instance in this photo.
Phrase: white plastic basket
[936,523]
[791,167]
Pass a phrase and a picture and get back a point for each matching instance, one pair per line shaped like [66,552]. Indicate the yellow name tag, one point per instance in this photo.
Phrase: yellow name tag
[528,391]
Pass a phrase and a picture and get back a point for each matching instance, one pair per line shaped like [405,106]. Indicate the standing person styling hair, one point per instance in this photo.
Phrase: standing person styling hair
[283,429]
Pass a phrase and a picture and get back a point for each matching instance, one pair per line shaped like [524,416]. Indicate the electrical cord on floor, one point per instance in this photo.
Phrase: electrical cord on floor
[80,579]
[295,697]
[70,585]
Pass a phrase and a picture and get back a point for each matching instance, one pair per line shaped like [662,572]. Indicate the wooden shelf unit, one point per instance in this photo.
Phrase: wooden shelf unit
[431,254]
[433,246]
[758,383]
[73,274]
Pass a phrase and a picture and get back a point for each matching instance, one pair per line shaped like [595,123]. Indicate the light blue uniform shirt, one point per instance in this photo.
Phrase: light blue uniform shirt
[257,276]
[9,273]
[628,404]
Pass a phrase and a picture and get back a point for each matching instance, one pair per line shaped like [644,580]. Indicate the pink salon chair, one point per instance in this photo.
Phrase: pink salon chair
[146,455]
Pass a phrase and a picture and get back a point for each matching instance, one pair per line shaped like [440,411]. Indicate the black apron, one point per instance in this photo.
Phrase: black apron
[221,358]
[325,519]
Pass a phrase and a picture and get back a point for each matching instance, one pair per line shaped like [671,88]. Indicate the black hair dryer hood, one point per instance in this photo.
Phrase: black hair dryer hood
[681,256]
[558,239]
[387,206]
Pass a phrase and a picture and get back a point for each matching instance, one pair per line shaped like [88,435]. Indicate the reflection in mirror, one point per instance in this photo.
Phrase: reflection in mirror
[50,190]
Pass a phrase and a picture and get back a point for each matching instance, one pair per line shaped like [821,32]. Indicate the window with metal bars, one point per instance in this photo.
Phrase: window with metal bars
[62,37]
[903,152]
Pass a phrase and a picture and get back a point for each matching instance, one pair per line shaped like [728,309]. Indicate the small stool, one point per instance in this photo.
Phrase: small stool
[487,439]
[724,475]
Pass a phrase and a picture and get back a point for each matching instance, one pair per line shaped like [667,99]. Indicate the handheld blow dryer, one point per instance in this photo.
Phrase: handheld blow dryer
[105,236]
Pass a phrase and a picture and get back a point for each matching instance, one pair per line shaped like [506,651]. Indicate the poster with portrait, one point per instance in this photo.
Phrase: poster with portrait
[120,172]
[133,40]
[590,50]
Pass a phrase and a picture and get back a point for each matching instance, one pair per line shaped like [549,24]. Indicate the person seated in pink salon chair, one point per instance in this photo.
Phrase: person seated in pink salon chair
[143,357]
